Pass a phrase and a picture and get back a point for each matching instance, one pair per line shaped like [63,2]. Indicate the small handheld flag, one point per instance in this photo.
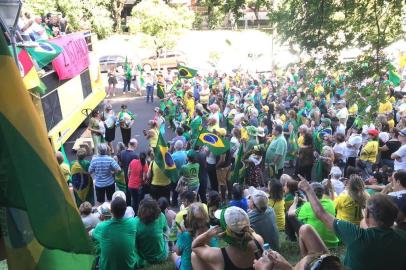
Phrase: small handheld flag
[164,159]
[216,144]
[186,73]
[160,90]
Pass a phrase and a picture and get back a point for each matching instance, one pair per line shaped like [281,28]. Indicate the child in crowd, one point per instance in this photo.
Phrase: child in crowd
[277,202]
[237,197]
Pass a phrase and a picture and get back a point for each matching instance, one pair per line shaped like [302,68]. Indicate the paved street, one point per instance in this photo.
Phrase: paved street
[144,112]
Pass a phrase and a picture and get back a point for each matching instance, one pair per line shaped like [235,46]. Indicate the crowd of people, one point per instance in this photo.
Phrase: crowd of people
[299,165]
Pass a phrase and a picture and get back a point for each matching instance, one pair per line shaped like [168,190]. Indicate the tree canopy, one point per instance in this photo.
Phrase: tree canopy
[160,23]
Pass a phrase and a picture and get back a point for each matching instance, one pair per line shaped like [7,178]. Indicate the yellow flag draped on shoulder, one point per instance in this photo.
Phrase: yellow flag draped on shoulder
[41,226]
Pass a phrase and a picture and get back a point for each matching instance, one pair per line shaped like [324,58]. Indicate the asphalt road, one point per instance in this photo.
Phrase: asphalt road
[137,105]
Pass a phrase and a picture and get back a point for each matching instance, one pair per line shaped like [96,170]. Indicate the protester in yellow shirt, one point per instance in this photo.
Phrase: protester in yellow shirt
[385,107]
[349,204]
[190,103]
[302,132]
[277,202]
[63,166]
[369,154]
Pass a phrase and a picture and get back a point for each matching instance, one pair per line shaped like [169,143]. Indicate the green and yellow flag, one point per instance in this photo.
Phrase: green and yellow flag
[164,159]
[238,173]
[82,182]
[186,73]
[41,226]
[44,52]
[216,144]
[160,90]
[393,76]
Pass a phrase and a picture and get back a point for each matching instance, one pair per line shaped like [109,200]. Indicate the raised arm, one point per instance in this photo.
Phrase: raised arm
[318,209]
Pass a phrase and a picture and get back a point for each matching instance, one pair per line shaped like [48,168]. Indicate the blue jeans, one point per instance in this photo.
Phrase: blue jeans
[127,85]
[150,93]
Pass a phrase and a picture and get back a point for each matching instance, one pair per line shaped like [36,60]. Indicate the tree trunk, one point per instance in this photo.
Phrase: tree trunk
[117,8]
[378,36]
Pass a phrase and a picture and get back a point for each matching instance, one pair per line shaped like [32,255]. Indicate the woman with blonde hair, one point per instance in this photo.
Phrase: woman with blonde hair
[349,204]
[196,223]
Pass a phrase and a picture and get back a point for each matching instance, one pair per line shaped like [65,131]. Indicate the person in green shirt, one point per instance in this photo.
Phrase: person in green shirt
[373,245]
[190,171]
[116,239]
[276,154]
[151,226]
[305,215]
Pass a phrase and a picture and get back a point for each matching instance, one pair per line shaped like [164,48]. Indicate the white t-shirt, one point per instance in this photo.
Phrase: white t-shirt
[90,221]
[342,114]
[401,164]
[353,145]
[338,186]
[341,148]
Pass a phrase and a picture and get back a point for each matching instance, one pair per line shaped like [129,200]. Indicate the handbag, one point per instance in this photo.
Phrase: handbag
[181,186]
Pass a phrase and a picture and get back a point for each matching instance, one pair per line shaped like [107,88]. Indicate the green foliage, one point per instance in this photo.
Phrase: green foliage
[234,6]
[160,23]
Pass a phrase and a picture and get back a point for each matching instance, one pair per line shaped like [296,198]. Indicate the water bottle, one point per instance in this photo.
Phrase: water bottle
[266,248]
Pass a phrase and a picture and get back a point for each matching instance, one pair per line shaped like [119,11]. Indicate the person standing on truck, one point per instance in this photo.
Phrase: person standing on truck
[109,118]
[126,121]
[94,127]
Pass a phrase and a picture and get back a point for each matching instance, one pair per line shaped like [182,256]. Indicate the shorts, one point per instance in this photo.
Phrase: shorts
[223,175]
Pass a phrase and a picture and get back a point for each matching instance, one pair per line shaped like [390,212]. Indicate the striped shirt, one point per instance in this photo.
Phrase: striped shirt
[102,170]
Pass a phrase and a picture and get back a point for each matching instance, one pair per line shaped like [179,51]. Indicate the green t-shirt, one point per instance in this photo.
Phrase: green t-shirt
[191,172]
[372,248]
[116,240]
[277,147]
[306,215]
[151,246]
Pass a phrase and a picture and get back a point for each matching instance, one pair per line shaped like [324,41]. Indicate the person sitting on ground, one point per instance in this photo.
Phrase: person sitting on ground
[150,229]
[289,189]
[262,218]
[170,215]
[196,223]
[116,238]
[370,242]
[335,175]
[89,219]
[243,243]
[188,197]
[304,215]
[238,198]
[213,204]
[277,203]
[314,253]
[350,203]
[129,212]
[399,197]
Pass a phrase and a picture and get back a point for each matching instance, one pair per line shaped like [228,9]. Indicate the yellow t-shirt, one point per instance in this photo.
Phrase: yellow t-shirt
[154,139]
[347,209]
[182,213]
[190,105]
[158,176]
[369,151]
[264,92]
[353,109]
[385,107]
[300,140]
[65,171]
[391,123]
[279,209]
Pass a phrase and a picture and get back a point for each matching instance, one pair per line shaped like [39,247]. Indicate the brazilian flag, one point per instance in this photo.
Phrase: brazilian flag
[186,73]
[82,182]
[120,181]
[160,90]
[44,52]
[40,223]
[164,159]
[216,144]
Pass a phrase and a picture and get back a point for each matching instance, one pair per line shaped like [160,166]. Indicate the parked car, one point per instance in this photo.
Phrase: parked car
[111,60]
[168,60]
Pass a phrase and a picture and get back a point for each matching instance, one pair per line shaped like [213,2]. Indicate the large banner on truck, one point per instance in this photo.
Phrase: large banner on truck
[74,57]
